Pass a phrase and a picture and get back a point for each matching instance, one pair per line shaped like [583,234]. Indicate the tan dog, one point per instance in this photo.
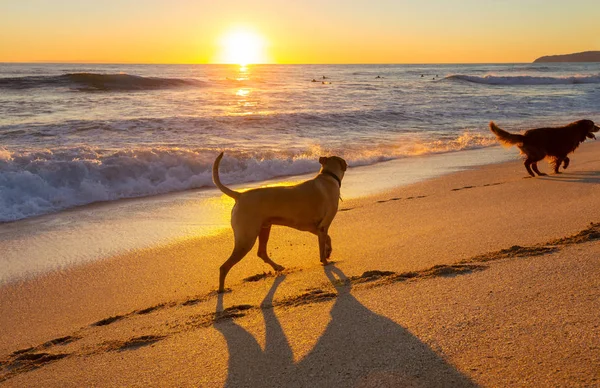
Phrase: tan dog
[309,206]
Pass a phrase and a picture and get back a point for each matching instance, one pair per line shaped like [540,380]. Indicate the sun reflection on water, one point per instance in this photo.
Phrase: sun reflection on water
[242,92]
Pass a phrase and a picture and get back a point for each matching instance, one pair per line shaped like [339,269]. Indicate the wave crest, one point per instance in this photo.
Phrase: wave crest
[97,82]
[465,141]
[526,79]
[39,182]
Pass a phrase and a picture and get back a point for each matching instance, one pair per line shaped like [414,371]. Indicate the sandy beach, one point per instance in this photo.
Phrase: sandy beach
[480,277]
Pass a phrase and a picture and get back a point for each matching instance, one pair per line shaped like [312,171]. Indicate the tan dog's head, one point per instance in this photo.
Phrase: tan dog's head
[333,164]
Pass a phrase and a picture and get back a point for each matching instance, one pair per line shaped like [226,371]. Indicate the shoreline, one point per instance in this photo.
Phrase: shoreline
[98,231]
[479,277]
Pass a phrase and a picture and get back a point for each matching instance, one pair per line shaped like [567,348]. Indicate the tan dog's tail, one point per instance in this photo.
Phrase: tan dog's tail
[506,137]
[217,181]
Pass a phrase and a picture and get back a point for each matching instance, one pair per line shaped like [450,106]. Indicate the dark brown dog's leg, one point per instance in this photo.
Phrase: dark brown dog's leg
[527,166]
[557,164]
[566,163]
[535,168]
[263,238]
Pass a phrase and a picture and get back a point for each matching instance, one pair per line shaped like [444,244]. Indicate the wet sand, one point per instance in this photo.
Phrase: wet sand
[481,277]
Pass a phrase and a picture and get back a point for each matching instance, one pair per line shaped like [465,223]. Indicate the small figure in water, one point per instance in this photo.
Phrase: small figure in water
[314,80]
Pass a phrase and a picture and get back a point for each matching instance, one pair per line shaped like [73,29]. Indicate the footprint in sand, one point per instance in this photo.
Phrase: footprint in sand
[151,309]
[310,296]
[232,312]
[471,187]
[60,341]
[399,198]
[132,343]
[108,321]
[270,274]
[462,188]
[25,362]
[191,302]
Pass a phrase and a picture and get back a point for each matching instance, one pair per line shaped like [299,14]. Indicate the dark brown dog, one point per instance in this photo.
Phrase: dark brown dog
[553,143]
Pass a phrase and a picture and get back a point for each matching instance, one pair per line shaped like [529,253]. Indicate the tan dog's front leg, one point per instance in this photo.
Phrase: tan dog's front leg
[328,247]
[324,245]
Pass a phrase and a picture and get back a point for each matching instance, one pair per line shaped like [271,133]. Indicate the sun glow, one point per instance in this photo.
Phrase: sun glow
[242,47]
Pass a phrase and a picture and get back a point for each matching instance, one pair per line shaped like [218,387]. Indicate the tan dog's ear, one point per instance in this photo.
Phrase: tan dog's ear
[323,160]
[344,165]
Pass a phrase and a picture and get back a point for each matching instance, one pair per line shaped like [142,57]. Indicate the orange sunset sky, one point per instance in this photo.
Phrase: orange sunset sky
[270,31]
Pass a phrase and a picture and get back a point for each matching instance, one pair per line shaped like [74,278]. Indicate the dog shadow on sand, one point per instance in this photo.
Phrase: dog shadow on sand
[580,176]
[357,348]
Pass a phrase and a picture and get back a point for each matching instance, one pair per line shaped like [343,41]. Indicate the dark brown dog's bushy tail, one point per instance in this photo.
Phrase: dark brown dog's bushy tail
[506,137]
[226,190]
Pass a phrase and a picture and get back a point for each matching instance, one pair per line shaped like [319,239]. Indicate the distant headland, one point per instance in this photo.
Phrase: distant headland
[586,56]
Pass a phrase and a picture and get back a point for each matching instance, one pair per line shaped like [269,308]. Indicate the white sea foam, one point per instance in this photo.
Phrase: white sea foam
[527,80]
[39,182]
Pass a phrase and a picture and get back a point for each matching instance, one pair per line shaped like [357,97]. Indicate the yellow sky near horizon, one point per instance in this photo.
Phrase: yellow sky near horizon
[326,31]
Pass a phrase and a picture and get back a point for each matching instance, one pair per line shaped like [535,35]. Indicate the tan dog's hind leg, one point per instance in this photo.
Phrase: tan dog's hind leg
[244,241]
[328,247]
[238,254]
[263,238]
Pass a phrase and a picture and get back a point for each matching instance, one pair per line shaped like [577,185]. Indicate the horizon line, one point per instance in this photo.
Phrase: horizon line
[257,64]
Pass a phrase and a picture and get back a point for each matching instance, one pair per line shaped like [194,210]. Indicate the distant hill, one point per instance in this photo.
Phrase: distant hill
[586,56]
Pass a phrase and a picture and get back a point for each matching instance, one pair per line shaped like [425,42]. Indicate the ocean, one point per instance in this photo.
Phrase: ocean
[76,134]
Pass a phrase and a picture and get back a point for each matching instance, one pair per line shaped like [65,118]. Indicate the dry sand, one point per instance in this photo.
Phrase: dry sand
[476,278]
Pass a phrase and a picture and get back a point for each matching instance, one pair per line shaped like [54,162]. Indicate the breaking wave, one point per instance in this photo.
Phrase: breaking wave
[96,82]
[33,183]
[526,79]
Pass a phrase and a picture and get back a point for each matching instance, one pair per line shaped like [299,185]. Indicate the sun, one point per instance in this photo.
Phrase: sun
[242,47]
